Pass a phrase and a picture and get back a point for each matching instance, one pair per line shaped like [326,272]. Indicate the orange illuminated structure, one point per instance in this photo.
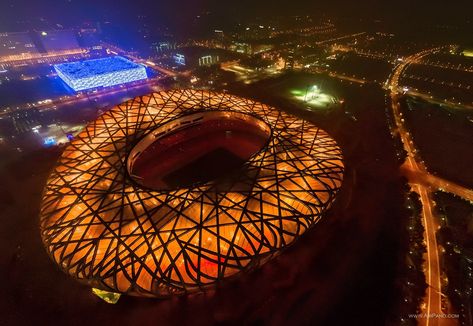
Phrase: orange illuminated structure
[106,229]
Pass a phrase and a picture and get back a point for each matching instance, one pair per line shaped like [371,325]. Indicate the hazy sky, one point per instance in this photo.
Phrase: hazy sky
[179,10]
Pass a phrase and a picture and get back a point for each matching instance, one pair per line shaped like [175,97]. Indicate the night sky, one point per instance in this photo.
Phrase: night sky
[178,12]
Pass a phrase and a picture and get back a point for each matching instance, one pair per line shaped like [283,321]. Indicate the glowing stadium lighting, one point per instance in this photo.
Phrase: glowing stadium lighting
[313,96]
[103,228]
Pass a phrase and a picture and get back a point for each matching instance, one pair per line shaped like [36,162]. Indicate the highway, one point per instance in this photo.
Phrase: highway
[160,69]
[422,182]
[339,38]
[435,182]
[433,100]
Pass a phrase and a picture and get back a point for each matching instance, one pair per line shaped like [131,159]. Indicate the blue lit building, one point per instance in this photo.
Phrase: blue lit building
[104,72]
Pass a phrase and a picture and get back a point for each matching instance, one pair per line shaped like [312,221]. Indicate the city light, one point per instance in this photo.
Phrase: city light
[243,163]
[180,59]
[50,141]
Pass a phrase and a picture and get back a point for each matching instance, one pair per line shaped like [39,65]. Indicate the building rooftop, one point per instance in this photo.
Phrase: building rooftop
[94,67]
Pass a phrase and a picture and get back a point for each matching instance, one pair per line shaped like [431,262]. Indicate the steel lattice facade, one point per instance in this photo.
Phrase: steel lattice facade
[103,72]
[103,229]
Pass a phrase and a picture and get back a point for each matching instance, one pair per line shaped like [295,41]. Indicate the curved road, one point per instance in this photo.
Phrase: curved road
[420,181]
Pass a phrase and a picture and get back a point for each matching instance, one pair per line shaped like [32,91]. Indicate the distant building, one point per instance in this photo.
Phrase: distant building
[196,57]
[17,46]
[58,41]
[163,47]
[241,47]
[250,48]
[289,60]
[104,72]
[219,34]
[180,59]
[209,60]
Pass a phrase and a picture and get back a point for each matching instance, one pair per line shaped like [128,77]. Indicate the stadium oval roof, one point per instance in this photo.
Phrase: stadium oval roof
[103,229]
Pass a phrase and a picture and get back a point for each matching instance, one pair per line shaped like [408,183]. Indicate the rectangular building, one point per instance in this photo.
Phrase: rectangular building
[104,72]
[193,57]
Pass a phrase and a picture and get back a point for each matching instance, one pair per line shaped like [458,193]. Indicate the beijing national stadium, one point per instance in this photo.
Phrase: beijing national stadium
[172,192]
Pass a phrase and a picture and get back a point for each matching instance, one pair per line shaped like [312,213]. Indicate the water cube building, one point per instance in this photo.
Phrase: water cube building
[103,72]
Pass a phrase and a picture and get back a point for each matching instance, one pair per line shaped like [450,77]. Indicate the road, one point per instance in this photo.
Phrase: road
[433,100]
[339,38]
[319,70]
[153,65]
[420,181]
[152,82]
[435,182]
